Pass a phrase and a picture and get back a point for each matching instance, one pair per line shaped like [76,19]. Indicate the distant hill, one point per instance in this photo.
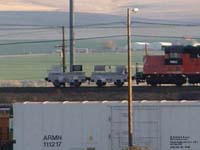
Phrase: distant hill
[23,40]
[55,18]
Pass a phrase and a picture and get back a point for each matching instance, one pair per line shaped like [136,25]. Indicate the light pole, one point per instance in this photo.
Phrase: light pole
[130,97]
[63,49]
[71,34]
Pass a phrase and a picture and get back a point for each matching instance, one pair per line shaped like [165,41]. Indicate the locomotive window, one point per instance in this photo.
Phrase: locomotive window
[195,55]
[198,55]
[173,59]
[174,55]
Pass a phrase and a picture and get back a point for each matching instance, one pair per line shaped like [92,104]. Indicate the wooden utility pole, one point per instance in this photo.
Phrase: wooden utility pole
[130,92]
[130,98]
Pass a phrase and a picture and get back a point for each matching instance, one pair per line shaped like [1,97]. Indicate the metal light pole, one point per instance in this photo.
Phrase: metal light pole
[63,49]
[71,35]
[130,94]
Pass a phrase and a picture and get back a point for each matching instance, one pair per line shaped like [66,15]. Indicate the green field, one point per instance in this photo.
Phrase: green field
[34,67]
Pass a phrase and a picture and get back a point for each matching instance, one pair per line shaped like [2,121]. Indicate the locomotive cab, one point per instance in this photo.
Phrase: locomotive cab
[173,55]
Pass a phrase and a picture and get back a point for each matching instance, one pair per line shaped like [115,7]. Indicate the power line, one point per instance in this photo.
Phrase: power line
[137,22]
[116,27]
[56,26]
[169,37]
[98,37]
[21,33]
[165,24]
[29,25]
[80,27]
[27,28]
[29,42]
[102,24]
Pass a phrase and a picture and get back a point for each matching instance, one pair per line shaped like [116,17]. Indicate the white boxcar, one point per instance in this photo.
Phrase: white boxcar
[103,126]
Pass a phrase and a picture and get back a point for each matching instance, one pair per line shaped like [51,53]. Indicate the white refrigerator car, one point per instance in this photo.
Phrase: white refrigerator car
[103,126]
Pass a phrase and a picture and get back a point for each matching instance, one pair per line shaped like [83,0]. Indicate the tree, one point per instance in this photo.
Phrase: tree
[109,45]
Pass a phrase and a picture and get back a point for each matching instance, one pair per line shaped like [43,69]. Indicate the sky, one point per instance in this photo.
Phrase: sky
[161,9]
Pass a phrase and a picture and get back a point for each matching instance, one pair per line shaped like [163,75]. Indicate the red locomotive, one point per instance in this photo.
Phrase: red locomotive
[179,65]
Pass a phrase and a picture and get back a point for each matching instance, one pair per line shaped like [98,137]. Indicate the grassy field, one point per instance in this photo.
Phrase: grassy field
[27,67]
[34,67]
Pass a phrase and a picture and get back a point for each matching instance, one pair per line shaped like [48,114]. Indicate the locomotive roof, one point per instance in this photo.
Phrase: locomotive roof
[182,49]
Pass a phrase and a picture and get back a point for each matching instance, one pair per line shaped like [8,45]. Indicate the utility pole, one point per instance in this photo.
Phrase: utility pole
[63,49]
[146,49]
[130,98]
[130,92]
[71,36]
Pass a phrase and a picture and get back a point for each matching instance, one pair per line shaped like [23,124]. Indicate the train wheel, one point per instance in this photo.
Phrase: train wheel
[99,83]
[56,83]
[75,84]
[119,83]
[153,84]
[180,80]
[152,80]
[194,79]
[179,84]
[62,85]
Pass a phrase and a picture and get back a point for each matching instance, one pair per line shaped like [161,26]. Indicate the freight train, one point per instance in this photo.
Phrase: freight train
[178,65]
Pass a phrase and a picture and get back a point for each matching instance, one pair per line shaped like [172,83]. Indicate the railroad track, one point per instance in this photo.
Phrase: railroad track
[39,94]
